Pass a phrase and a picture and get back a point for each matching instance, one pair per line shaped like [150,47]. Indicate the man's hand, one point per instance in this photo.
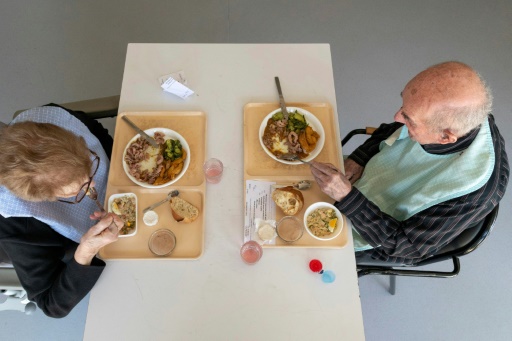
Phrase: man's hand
[103,233]
[330,179]
[353,170]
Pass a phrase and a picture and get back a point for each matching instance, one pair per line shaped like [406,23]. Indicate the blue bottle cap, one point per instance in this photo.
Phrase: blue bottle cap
[328,276]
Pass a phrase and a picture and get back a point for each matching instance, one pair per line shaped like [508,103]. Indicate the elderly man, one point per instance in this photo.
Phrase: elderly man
[417,183]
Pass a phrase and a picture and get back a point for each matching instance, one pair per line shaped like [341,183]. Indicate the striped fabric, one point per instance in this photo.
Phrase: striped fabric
[421,235]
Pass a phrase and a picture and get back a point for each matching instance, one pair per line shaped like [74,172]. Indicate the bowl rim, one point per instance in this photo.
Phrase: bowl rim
[118,195]
[286,217]
[322,204]
[168,133]
[312,120]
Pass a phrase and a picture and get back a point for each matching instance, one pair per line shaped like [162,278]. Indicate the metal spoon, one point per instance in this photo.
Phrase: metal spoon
[302,185]
[169,196]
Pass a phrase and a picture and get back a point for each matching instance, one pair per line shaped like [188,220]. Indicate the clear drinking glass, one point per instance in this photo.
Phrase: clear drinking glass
[290,229]
[213,170]
[251,252]
[162,242]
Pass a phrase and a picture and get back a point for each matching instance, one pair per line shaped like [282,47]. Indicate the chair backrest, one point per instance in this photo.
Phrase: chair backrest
[94,108]
[467,241]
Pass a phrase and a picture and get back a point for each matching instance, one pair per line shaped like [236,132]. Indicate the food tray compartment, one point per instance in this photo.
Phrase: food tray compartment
[256,160]
[311,195]
[259,166]
[189,237]
[190,125]
[109,209]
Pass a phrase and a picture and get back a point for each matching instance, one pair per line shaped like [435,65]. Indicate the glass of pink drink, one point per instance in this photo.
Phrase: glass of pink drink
[251,252]
[213,170]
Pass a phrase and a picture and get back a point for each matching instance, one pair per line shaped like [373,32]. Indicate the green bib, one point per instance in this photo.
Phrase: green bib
[403,179]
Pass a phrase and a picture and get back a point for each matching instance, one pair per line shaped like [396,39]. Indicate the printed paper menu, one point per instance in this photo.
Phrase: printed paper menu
[258,204]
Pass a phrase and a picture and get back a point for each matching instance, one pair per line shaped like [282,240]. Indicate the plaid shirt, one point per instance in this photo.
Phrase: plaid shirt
[422,235]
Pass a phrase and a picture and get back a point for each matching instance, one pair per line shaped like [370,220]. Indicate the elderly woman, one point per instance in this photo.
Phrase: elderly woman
[50,159]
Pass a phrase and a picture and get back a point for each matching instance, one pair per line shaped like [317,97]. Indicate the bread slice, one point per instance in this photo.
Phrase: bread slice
[183,211]
[289,199]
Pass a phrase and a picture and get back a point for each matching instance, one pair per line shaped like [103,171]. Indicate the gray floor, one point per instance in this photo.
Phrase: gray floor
[64,51]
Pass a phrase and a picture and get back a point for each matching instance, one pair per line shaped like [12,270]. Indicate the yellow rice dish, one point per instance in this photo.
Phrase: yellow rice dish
[322,222]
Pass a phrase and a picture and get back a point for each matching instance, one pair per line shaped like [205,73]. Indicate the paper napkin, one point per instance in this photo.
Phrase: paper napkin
[175,84]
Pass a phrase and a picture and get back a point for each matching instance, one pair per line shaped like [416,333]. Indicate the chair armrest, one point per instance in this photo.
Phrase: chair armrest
[363,270]
[9,279]
[367,131]
[370,130]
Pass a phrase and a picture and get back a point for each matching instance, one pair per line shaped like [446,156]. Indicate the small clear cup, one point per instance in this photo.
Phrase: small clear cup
[213,169]
[251,252]
[162,242]
[289,229]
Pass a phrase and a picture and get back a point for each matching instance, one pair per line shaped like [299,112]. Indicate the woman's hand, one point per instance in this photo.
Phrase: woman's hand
[353,170]
[330,179]
[103,233]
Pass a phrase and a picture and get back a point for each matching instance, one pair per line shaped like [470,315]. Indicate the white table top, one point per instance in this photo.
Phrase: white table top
[218,297]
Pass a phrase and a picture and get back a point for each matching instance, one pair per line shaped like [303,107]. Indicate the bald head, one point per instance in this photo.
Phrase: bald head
[452,96]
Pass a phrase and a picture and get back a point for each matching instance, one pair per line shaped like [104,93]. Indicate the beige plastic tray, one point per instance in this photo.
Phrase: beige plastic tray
[189,237]
[259,166]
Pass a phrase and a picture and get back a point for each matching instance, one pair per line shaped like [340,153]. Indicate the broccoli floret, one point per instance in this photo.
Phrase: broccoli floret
[296,122]
[173,149]
[278,116]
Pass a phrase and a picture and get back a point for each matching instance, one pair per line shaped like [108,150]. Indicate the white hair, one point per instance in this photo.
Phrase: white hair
[461,120]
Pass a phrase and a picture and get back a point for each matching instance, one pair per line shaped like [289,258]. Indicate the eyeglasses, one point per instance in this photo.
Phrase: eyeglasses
[85,187]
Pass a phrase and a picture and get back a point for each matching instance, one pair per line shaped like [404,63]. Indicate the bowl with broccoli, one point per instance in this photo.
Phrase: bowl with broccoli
[300,134]
[152,167]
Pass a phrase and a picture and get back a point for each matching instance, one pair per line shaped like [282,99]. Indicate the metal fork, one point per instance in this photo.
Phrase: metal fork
[292,157]
[93,195]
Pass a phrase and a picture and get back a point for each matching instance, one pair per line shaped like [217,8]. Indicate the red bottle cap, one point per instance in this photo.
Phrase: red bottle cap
[315,265]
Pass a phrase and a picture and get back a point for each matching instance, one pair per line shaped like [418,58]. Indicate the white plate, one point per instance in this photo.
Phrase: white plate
[311,120]
[318,205]
[168,134]
[119,195]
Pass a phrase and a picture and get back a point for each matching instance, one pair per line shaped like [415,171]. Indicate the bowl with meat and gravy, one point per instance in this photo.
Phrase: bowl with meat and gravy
[152,167]
[300,135]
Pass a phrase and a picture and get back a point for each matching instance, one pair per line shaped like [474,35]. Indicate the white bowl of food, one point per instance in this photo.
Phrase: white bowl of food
[303,135]
[125,206]
[141,161]
[323,221]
